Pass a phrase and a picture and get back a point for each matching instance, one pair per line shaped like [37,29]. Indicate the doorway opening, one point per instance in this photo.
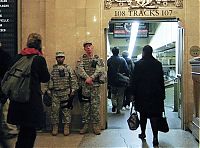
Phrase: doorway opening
[166,38]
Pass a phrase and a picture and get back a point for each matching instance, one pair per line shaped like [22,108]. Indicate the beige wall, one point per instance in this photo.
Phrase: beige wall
[66,24]
[192,37]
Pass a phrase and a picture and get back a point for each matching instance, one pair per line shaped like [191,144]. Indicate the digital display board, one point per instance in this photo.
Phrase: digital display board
[123,30]
[8,26]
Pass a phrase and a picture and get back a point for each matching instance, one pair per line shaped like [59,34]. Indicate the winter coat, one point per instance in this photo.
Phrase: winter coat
[4,62]
[116,64]
[31,113]
[130,64]
[148,86]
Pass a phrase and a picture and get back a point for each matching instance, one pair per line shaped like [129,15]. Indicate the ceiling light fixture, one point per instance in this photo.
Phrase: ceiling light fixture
[133,36]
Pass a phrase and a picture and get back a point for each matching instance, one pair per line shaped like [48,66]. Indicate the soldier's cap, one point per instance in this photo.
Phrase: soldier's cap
[87,42]
[60,54]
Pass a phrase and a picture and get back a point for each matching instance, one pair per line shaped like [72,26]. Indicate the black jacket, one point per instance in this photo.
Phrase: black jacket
[116,64]
[31,113]
[4,65]
[148,86]
[4,62]
[130,64]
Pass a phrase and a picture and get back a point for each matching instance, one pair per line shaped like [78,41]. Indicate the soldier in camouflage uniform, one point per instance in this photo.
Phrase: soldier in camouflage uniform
[89,69]
[62,86]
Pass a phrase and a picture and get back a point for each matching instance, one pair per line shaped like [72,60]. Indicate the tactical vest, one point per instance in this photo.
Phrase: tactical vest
[87,64]
[60,77]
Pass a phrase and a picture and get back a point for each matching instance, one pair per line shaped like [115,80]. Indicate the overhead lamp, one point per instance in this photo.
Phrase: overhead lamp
[133,36]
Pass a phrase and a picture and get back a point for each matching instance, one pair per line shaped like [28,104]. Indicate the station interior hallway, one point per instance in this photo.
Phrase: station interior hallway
[117,135]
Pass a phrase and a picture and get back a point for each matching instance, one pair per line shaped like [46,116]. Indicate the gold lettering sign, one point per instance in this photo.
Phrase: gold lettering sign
[147,4]
[145,12]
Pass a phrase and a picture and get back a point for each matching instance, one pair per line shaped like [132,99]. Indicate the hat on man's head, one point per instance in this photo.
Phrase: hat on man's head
[34,37]
[87,42]
[125,54]
[60,54]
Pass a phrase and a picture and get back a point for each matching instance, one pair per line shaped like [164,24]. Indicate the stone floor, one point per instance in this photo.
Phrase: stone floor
[117,135]
[115,138]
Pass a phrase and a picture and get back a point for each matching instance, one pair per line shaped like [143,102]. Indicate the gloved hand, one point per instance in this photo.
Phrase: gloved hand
[47,99]
[70,102]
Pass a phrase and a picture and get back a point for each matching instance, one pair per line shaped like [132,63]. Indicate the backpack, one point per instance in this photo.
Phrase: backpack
[16,81]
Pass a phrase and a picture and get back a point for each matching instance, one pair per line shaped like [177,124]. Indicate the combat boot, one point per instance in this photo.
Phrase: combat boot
[66,129]
[55,130]
[96,129]
[84,129]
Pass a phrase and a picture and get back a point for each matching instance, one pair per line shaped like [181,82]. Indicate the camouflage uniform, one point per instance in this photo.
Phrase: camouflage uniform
[60,87]
[90,109]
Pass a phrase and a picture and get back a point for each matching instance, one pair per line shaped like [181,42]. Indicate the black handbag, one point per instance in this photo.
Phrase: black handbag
[133,121]
[162,124]
[47,99]
[122,79]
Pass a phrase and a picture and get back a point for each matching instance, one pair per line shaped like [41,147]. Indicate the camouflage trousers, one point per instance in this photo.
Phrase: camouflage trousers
[117,96]
[56,108]
[90,110]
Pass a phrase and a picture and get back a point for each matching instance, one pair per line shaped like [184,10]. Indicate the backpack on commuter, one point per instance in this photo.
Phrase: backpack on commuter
[16,81]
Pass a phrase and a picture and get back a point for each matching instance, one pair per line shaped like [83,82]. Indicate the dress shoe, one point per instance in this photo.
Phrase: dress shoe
[127,107]
[113,109]
[118,111]
[123,108]
[142,136]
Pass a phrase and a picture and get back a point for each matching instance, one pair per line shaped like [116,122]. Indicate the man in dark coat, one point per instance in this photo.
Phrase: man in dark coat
[127,92]
[116,64]
[4,63]
[29,116]
[149,91]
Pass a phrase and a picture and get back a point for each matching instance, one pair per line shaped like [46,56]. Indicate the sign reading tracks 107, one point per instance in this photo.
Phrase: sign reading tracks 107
[8,26]
[141,8]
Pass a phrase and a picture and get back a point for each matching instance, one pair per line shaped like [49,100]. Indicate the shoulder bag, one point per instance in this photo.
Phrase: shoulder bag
[133,120]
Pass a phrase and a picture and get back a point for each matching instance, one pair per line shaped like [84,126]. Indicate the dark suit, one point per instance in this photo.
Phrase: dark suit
[149,91]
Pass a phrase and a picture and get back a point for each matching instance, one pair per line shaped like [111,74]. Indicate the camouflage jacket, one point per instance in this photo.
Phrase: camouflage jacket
[63,78]
[90,67]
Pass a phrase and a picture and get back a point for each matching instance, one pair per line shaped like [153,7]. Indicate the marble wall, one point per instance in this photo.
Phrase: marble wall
[66,24]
